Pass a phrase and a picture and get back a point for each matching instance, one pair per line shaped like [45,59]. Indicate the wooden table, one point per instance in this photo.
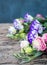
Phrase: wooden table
[8,47]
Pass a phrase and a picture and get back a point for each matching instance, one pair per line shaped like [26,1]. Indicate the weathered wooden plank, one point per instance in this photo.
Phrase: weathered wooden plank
[8,47]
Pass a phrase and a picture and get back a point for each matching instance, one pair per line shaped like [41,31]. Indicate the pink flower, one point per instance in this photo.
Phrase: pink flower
[45,37]
[40,16]
[39,44]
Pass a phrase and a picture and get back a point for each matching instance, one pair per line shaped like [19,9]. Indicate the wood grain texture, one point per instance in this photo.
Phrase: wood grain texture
[8,47]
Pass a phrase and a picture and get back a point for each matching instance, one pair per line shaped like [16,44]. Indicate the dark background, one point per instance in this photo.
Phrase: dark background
[11,9]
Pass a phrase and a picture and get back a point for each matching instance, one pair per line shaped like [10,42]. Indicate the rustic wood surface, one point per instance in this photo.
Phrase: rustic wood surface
[8,47]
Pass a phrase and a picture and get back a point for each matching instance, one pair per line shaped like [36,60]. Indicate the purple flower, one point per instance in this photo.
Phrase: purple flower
[28,18]
[32,35]
[17,24]
[35,25]
[35,28]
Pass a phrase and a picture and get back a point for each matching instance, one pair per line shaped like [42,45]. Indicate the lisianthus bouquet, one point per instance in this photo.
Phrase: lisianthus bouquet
[32,33]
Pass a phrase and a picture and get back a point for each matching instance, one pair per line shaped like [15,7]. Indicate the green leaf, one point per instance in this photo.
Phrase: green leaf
[10,36]
[22,35]
[45,24]
[19,55]
[21,31]
[16,55]
[26,58]
[26,27]
[16,36]
[38,53]
[41,20]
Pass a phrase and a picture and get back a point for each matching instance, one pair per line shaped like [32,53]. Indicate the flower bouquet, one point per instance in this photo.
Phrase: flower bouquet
[32,33]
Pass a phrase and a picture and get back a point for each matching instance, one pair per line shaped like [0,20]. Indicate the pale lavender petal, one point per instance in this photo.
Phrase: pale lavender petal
[28,18]
[17,24]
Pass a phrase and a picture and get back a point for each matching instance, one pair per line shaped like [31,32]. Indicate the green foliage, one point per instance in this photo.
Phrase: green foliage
[10,36]
[45,24]
[17,36]
[26,27]
[42,21]
[26,58]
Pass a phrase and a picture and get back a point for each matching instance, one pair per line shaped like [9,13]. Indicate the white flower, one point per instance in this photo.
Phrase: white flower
[12,30]
[28,17]
[40,29]
[24,43]
[17,24]
[21,27]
